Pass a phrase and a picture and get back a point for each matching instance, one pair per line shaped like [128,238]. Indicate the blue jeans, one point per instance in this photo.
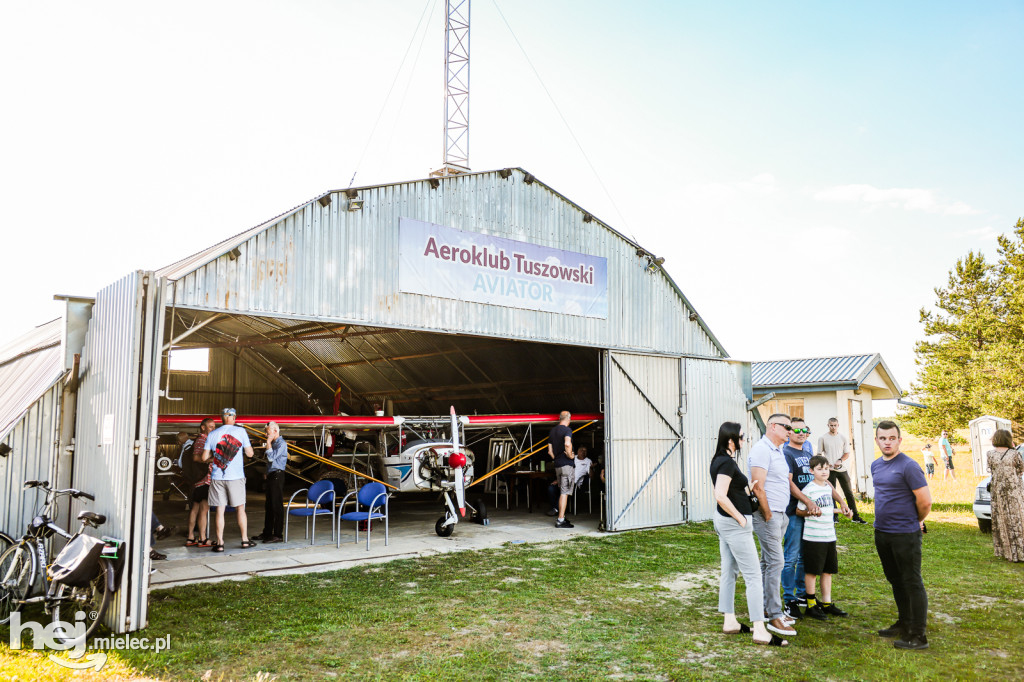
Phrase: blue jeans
[793,569]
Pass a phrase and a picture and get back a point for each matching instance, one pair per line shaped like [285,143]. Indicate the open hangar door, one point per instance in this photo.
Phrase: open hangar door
[264,365]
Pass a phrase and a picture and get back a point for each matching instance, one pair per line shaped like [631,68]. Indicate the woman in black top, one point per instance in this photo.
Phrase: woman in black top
[736,539]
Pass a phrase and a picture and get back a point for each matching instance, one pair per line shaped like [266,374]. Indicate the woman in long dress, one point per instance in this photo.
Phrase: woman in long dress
[1006,466]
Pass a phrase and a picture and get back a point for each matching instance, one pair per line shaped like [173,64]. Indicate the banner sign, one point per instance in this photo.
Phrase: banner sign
[469,266]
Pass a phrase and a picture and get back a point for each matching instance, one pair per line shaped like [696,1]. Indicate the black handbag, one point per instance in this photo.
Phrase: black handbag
[755,503]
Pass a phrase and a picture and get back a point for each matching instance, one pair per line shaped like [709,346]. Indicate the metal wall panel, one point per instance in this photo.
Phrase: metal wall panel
[113,396]
[33,441]
[642,441]
[28,367]
[713,396]
[231,382]
[329,263]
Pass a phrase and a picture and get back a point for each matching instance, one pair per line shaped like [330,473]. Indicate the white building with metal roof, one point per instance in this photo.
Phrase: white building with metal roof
[818,389]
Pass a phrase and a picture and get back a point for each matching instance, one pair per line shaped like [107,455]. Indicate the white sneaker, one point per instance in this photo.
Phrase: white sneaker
[781,629]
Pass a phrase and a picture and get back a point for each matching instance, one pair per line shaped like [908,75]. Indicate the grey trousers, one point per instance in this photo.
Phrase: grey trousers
[739,555]
[770,535]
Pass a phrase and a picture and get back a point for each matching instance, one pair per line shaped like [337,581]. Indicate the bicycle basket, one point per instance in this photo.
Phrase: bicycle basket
[78,563]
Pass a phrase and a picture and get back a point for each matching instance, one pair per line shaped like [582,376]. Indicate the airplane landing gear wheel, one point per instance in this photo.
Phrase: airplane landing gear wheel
[443,530]
[481,512]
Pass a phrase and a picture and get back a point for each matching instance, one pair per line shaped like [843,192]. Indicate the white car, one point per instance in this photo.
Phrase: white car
[983,501]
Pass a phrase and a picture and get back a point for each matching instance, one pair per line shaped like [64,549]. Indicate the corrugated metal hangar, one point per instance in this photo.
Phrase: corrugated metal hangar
[487,291]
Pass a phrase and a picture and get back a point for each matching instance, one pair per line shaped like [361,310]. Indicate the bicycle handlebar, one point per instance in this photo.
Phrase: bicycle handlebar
[45,485]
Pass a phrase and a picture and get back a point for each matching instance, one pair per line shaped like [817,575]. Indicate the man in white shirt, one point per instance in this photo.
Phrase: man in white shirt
[834,447]
[770,478]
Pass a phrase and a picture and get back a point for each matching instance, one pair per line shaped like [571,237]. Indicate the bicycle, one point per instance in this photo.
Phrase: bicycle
[22,566]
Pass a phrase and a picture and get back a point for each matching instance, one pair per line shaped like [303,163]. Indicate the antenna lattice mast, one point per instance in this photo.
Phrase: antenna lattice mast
[456,89]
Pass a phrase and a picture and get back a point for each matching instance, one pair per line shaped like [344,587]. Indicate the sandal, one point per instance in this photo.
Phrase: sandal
[214,547]
[744,628]
[191,542]
[774,641]
[203,542]
[248,544]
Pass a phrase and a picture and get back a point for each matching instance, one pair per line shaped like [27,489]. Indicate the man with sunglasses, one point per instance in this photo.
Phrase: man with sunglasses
[770,480]
[798,457]
[834,447]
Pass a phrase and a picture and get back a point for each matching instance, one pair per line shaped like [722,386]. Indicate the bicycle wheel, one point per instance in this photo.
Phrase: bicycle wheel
[16,577]
[92,600]
[6,541]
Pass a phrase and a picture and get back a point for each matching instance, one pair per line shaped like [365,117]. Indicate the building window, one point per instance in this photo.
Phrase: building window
[794,407]
[189,360]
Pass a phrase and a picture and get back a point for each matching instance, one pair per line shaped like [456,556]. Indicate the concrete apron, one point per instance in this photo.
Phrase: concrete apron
[411,535]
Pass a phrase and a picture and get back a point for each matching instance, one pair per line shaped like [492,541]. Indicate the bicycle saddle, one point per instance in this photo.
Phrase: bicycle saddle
[91,518]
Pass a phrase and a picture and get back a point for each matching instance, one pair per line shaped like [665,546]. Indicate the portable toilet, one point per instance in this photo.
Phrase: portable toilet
[982,430]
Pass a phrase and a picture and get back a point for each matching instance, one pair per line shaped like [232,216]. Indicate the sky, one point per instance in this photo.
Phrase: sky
[809,171]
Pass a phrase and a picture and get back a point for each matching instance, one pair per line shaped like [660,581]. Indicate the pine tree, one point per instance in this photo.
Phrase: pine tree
[954,359]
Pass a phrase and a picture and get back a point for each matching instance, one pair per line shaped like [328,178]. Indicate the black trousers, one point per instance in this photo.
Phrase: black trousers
[843,478]
[273,523]
[900,554]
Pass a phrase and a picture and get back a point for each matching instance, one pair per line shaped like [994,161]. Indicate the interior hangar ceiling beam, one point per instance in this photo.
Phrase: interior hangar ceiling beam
[352,345]
[402,358]
[268,370]
[196,326]
[250,341]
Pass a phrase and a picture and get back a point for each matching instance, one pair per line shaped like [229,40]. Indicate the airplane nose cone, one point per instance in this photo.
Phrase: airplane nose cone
[457,459]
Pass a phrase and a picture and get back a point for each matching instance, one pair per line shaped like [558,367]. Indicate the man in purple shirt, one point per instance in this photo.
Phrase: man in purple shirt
[902,501]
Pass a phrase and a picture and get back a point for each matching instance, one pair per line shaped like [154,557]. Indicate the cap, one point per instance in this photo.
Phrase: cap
[228,412]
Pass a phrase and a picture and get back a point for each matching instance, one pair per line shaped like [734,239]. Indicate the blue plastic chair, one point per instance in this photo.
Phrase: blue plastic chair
[319,502]
[371,499]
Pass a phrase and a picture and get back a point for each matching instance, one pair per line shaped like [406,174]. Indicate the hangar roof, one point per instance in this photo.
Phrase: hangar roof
[29,366]
[222,275]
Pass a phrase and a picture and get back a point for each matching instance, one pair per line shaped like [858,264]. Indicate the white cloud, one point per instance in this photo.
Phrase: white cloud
[907,198]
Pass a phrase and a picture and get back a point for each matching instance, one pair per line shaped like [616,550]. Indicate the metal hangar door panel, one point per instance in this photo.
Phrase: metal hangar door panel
[643,440]
[116,421]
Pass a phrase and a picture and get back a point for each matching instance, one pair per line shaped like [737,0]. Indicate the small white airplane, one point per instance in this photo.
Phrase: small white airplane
[412,454]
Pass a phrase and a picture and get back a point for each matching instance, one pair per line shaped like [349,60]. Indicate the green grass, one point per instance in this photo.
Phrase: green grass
[639,605]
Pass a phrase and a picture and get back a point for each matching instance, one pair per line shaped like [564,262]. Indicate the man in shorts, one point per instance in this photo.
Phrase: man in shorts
[224,447]
[560,450]
[946,450]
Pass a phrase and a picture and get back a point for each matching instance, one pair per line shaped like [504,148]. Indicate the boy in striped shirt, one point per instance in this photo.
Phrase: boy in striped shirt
[819,542]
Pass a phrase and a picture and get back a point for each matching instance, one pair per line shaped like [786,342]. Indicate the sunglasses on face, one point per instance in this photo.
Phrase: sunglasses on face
[785,426]
[803,430]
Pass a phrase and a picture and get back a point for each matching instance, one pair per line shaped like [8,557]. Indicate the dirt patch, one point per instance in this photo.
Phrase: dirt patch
[980,602]
[682,584]
[539,647]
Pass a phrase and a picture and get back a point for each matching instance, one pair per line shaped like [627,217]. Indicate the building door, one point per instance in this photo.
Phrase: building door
[857,448]
[643,440]
[114,442]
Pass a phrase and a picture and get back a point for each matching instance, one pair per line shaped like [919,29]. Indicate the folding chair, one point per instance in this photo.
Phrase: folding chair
[371,499]
[319,502]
